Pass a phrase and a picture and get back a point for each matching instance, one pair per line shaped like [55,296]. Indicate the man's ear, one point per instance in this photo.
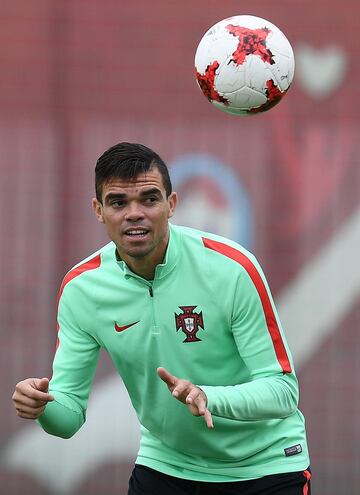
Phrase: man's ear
[172,200]
[98,210]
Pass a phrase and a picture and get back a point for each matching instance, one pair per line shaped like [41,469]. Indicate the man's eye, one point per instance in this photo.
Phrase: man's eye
[151,199]
[117,204]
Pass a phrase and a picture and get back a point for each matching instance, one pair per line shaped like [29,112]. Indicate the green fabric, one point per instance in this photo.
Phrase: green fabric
[254,404]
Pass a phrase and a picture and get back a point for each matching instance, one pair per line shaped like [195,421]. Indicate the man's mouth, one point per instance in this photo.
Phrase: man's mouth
[136,233]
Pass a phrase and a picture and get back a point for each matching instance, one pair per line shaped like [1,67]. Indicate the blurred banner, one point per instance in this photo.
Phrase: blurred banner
[77,77]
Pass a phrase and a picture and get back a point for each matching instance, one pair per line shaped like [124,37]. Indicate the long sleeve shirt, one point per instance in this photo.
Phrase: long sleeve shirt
[209,317]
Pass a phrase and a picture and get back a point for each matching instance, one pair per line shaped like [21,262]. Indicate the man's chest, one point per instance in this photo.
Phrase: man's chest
[177,320]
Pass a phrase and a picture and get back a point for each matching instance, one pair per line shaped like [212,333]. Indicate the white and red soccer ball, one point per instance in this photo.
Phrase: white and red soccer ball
[244,65]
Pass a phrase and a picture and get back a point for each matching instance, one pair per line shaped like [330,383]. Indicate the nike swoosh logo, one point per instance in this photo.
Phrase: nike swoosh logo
[124,327]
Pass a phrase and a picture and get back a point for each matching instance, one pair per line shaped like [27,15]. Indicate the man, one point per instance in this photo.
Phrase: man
[191,309]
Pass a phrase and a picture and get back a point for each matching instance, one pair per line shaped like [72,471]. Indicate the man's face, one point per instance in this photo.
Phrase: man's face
[135,213]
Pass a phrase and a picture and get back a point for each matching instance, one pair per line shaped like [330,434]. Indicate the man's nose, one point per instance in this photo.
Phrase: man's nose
[134,212]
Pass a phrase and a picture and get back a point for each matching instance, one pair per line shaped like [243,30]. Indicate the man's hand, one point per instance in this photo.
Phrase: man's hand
[31,396]
[187,393]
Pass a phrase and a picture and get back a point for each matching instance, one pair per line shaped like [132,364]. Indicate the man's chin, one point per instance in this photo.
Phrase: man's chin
[138,252]
[137,255]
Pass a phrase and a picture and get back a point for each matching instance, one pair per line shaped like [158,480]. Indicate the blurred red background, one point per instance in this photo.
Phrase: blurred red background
[77,77]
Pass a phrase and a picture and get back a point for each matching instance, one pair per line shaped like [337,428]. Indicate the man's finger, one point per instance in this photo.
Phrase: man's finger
[38,395]
[29,402]
[208,418]
[26,415]
[198,408]
[181,387]
[195,394]
[27,389]
[167,377]
[42,384]
[30,411]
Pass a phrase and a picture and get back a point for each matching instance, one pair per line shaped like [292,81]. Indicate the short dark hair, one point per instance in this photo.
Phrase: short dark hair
[126,161]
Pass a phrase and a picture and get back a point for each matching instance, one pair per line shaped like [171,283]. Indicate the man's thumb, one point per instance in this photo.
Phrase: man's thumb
[42,384]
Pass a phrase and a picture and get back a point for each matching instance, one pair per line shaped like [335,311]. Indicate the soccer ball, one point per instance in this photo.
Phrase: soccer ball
[244,65]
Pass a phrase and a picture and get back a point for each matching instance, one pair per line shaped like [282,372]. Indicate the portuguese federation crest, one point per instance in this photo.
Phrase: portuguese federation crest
[189,322]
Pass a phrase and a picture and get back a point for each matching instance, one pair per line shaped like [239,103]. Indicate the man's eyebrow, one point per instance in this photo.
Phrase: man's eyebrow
[144,193]
[150,192]
[111,196]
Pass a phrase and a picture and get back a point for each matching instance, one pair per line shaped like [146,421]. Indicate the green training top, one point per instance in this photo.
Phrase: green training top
[208,316]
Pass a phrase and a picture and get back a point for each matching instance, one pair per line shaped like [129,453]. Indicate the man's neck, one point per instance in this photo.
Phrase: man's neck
[144,270]
[144,266]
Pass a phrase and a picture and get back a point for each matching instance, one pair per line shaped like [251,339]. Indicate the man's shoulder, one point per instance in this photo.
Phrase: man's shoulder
[89,264]
[214,242]
[99,255]
[217,252]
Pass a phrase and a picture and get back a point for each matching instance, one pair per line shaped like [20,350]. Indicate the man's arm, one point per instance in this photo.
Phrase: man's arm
[60,407]
[272,390]
[73,372]
[262,399]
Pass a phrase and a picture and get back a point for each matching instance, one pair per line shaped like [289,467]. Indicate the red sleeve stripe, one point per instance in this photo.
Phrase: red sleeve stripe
[307,475]
[255,276]
[88,265]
